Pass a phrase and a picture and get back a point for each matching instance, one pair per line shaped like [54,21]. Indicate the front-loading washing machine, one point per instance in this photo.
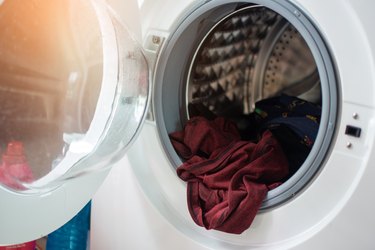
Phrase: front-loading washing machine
[76,93]
[226,56]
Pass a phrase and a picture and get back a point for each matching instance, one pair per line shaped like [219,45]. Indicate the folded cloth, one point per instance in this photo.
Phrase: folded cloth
[227,179]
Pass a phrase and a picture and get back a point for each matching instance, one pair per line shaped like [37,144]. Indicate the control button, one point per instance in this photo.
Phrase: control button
[353,131]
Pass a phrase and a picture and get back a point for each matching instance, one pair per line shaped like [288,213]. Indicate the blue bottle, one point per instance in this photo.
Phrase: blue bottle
[74,234]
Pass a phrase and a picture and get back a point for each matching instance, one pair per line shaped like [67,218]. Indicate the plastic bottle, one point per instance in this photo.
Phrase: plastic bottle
[14,169]
[74,234]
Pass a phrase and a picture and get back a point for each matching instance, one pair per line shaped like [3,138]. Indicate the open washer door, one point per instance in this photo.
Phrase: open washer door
[74,89]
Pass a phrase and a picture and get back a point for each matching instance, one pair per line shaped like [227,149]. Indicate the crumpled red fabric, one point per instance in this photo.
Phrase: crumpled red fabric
[227,179]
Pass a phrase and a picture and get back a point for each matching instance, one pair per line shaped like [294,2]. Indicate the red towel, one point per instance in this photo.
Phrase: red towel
[227,179]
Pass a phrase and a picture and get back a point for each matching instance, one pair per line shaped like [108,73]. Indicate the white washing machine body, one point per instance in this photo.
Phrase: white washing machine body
[144,205]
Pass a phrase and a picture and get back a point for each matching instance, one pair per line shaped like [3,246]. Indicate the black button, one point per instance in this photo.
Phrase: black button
[353,131]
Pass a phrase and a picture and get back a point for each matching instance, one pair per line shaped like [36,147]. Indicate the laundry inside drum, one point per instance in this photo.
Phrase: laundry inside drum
[262,72]
[251,55]
[261,68]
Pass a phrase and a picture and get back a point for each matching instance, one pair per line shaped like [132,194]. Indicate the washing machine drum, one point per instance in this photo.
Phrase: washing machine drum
[237,60]
[251,55]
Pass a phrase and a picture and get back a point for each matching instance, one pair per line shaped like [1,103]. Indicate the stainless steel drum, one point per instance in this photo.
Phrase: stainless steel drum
[251,54]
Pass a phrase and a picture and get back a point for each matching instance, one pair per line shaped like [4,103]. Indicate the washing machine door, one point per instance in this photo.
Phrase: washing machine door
[73,94]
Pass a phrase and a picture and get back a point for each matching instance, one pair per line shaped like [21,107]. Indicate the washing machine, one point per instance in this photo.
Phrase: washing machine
[226,56]
[91,80]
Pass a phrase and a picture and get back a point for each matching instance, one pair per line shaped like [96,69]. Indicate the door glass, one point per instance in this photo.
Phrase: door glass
[73,91]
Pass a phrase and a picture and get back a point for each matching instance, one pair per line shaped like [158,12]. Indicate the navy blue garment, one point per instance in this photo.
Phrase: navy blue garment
[298,115]
[294,123]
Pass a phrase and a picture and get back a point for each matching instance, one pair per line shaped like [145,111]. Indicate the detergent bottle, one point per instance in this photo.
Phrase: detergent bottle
[14,170]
